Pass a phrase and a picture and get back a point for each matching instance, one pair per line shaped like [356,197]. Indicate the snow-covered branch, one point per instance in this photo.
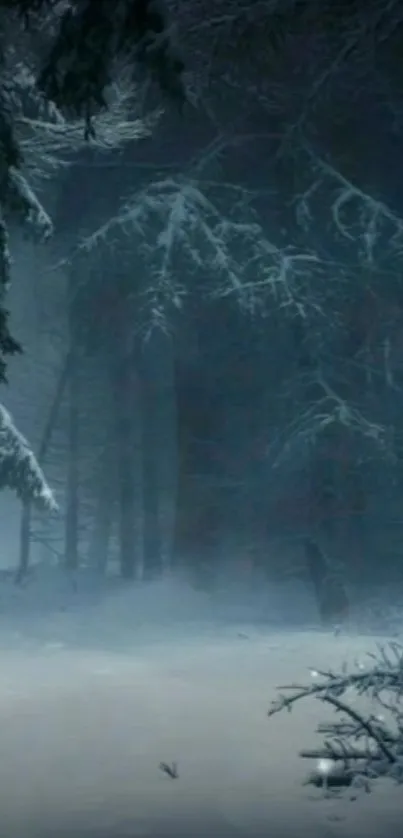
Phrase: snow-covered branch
[358,746]
[330,410]
[24,204]
[349,416]
[19,469]
[48,140]
[358,216]
[182,227]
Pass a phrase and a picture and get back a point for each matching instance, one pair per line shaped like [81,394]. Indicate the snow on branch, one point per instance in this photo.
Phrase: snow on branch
[19,469]
[87,42]
[357,215]
[23,203]
[43,140]
[283,272]
[47,139]
[35,140]
[48,144]
[349,416]
[358,746]
[214,237]
[327,411]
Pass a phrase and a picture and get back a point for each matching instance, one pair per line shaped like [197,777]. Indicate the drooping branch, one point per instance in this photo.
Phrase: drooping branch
[328,410]
[19,469]
[22,202]
[212,235]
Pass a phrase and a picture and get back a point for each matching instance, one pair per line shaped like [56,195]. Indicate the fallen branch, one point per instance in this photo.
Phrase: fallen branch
[382,753]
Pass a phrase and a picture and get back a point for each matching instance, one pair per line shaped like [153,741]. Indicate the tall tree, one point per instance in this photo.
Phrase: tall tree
[104,508]
[125,389]
[43,108]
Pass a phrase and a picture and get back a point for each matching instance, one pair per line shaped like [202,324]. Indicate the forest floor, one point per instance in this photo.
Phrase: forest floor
[85,728]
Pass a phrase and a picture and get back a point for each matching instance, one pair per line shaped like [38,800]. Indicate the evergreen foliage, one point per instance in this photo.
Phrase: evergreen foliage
[82,44]
[19,469]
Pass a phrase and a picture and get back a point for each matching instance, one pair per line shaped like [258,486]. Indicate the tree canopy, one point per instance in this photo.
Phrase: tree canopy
[307,235]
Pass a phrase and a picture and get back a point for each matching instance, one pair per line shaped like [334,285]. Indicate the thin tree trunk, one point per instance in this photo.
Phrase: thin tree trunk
[330,592]
[125,385]
[71,544]
[71,532]
[152,546]
[100,541]
[187,502]
[152,437]
[26,514]
[25,543]
[169,459]
[137,430]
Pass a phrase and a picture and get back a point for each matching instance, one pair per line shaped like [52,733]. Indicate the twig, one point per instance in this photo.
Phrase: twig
[387,679]
[170,770]
[329,753]
[362,722]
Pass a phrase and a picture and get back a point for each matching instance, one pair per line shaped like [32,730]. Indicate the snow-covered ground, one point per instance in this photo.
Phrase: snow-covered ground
[84,728]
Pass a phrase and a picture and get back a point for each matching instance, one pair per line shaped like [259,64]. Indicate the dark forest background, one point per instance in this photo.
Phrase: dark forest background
[213,334]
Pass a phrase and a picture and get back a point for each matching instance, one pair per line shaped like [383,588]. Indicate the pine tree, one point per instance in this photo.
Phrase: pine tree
[83,42]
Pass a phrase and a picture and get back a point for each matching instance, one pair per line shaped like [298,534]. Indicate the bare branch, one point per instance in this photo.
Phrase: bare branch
[357,215]
[383,751]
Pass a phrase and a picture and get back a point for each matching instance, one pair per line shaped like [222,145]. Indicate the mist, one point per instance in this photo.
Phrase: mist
[201,448]
[103,682]
[85,731]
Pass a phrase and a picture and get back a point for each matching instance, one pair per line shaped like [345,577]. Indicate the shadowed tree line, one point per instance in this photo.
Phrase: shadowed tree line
[298,251]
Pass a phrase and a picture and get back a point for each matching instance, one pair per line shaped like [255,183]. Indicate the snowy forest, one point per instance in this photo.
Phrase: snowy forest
[209,301]
[201,319]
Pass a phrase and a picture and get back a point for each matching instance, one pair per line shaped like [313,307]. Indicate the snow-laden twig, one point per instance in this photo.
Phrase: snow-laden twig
[382,752]
[357,216]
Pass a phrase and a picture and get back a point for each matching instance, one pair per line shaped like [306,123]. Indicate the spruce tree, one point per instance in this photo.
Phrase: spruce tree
[83,43]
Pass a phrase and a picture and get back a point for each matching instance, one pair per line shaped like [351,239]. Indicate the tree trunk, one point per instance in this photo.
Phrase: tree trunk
[188,501]
[161,461]
[152,553]
[125,385]
[102,526]
[330,593]
[71,544]
[25,543]
[153,446]
[26,514]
